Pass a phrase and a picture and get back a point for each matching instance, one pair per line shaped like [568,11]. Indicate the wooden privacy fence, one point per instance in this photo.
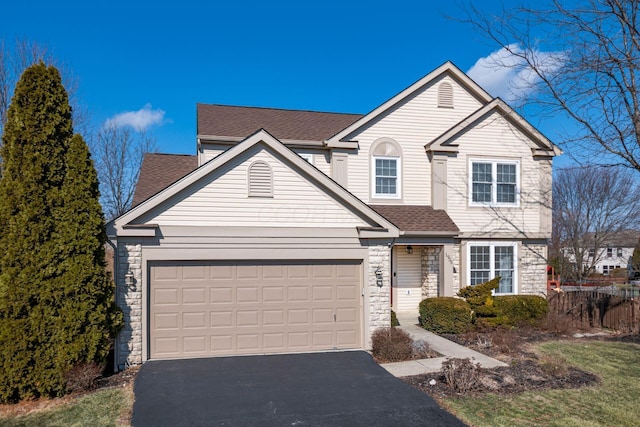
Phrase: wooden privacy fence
[588,309]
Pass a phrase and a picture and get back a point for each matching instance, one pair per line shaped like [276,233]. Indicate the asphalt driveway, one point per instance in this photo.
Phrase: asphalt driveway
[319,389]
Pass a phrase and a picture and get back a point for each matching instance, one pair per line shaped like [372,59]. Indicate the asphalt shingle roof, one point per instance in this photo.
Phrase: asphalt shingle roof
[159,171]
[414,218]
[233,121]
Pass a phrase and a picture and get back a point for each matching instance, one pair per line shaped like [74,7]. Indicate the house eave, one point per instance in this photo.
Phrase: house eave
[429,233]
[233,140]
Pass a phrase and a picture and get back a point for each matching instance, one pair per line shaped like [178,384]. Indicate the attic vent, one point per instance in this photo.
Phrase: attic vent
[445,95]
[260,180]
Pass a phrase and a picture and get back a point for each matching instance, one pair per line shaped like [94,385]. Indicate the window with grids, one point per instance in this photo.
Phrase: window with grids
[487,261]
[386,176]
[494,183]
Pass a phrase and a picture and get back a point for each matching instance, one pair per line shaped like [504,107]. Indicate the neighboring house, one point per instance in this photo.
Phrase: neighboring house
[295,231]
[607,254]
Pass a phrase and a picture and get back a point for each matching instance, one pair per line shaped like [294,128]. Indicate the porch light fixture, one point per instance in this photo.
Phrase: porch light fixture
[129,279]
[409,249]
[378,273]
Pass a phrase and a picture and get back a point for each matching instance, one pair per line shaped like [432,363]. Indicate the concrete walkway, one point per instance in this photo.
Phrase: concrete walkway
[449,349]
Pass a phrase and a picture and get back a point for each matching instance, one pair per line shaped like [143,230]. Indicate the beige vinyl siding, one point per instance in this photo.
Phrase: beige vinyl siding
[209,151]
[321,159]
[495,139]
[412,124]
[222,200]
[408,280]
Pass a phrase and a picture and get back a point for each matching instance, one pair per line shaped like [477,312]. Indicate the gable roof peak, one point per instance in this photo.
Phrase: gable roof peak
[447,67]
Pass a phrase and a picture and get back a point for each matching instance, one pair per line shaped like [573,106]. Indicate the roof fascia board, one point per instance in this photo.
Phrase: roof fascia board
[233,140]
[259,136]
[429,233]
[447,67]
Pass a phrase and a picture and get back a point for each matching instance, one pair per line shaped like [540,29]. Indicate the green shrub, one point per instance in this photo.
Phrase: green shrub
[516,310]
[480,297]
[394,319]
[445,315]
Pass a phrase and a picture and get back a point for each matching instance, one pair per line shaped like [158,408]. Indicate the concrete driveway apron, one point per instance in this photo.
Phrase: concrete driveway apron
[316,389]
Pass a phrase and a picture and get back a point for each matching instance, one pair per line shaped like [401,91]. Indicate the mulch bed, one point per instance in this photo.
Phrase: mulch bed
[526,370]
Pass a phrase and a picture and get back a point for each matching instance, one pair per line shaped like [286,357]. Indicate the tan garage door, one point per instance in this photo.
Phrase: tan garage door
[203,309]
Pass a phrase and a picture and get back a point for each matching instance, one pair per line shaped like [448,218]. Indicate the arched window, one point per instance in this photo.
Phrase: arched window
[386,156]
[445,95]
[260,179]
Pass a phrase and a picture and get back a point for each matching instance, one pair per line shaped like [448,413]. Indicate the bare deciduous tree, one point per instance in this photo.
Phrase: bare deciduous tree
[580,59]
[590,205]
[118,152]
[15,58]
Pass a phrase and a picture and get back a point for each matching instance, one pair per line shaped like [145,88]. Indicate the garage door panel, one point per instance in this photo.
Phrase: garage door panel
[166,321]
[195,345]
[347,338]
[221,273]
[323,293]
[221,319]
[298,294]
[165,296]
[194,320]
[247,295]
[247,272]
[298,317]
[248,342]
[194,296]
[273,294]
[221,295]
[194,273]
[257,308]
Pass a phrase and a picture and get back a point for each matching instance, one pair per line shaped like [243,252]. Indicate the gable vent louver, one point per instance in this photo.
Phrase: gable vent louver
[445,95]
[260,180]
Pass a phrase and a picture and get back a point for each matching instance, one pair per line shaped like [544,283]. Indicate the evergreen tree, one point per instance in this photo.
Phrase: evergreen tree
[56,305]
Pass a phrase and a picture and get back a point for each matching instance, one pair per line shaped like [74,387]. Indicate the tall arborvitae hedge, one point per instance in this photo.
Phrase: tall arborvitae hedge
[56,303]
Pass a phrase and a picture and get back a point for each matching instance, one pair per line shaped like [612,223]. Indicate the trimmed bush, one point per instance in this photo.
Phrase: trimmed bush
[445,315]
[517,310]
[480,297]
[391,345]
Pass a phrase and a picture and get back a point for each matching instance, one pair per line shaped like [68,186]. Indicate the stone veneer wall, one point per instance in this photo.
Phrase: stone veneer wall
[533,269]
[430,271]
[455,262]
[379,298]
[129,341]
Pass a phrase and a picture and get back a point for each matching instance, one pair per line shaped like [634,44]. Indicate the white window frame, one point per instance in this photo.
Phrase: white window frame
[492,253]
[398,193]
[494,185]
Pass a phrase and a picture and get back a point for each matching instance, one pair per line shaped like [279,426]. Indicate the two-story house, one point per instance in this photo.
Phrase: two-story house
[297,231]
[605,254]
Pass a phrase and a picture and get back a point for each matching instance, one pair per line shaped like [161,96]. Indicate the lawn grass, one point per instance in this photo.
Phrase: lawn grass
[108,407]
[612,402]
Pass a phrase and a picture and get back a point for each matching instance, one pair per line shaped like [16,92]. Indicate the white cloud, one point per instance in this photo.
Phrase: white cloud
[140,120]
[504,74]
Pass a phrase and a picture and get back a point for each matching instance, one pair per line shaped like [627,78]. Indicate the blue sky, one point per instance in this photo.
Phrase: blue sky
[151,62]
